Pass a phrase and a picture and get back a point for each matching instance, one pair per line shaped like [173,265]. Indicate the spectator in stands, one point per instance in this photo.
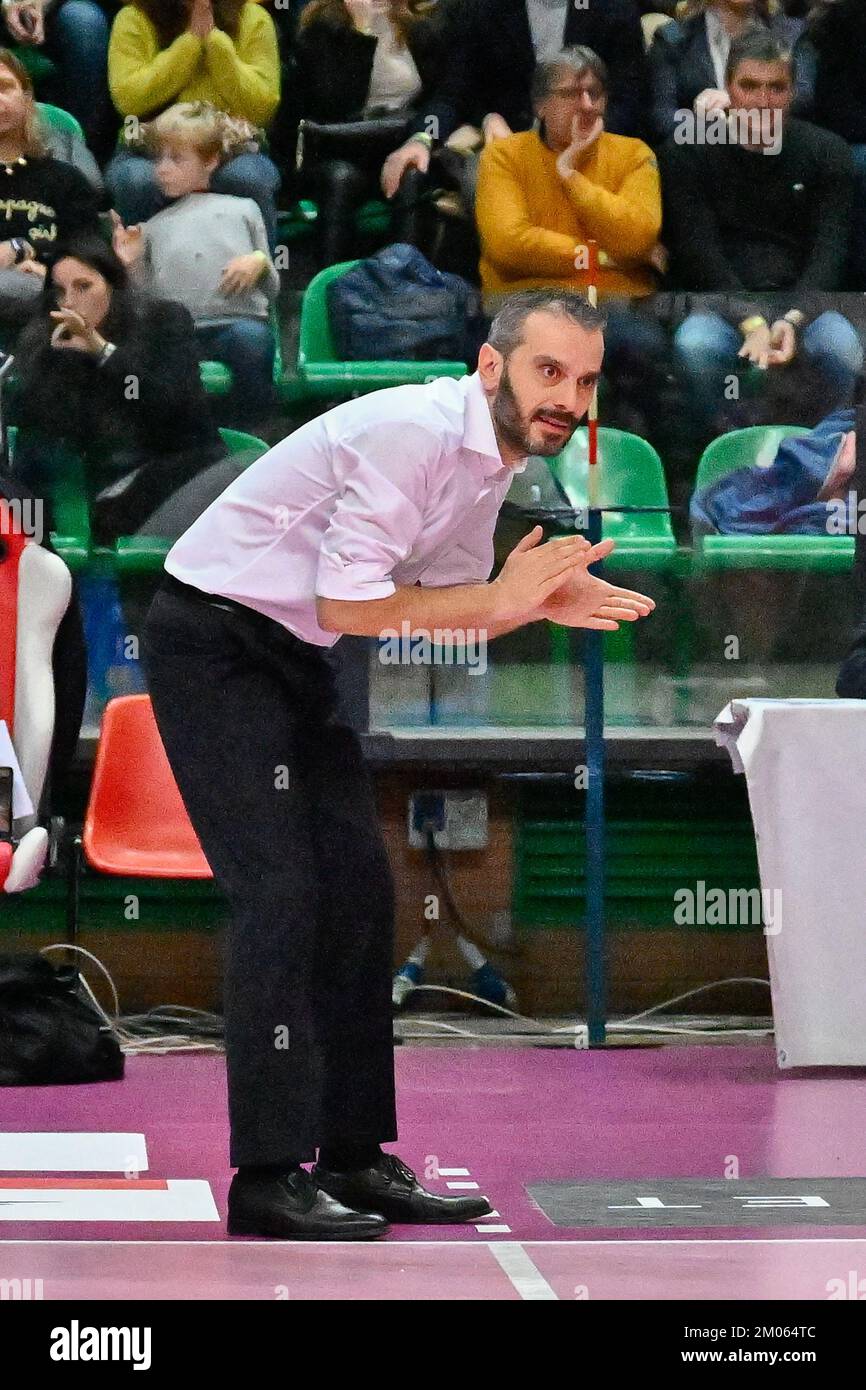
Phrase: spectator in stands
[93,337]
[361,60]
[839,36]
[42,200]
[220,51]
[74,35]
[688,57]
[229,281]
[542,194]
[768,212]
[493,47]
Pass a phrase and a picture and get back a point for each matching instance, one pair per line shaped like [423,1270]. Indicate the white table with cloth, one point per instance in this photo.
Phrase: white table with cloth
[805,768]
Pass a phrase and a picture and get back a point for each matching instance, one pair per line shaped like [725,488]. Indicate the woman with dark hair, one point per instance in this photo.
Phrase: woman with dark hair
[838,32]
[688,57]
[112,377]
[219,51]
[42,200]
[373,62]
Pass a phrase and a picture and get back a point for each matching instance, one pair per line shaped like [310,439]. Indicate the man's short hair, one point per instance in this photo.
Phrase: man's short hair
[757,46]
[578,58]
[506,331]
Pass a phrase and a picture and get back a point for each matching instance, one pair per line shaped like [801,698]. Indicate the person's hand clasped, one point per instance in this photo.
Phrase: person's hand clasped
[757,346]
[415,154]
[495,127]
[783,344]
[242,272]
[553,581]
[201,19]
[582,140]
[25,23]
[712,99]
[72,332]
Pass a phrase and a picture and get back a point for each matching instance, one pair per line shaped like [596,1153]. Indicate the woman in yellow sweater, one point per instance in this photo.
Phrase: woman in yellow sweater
[219,51]
[542,193]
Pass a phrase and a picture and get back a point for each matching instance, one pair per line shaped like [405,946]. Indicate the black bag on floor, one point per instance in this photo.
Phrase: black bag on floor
[49,1034]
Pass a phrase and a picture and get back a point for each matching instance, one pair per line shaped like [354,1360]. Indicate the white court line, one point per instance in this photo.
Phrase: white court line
[446,1244]
[453,1172]
[463,1186]
[526,1277]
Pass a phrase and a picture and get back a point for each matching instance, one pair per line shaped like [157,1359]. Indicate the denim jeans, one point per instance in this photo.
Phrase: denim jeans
[137,196]
[76,40]
[246,346]
[706,347]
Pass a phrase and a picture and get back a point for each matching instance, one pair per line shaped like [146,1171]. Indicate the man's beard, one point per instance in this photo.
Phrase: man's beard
[513,427]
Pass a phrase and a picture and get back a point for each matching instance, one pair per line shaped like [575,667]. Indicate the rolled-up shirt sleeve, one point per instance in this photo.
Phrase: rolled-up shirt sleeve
[382,482]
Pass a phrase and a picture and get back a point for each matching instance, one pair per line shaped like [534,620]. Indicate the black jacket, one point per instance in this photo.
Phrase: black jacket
[840,86]
[46,201]
[736,220]
[65,394]
[681,68]
[335,63]
[490,62]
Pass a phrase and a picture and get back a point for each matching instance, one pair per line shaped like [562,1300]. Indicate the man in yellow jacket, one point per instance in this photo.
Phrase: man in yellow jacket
[543,193]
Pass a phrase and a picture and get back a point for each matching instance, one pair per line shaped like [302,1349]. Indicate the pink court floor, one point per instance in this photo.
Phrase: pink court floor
[118,1191]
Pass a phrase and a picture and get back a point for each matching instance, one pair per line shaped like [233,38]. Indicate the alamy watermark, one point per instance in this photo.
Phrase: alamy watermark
[722,127]
[22,516]
[439,646]
[729,907]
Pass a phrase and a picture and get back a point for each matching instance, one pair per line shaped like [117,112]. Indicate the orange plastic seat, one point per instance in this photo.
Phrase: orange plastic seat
[136,822]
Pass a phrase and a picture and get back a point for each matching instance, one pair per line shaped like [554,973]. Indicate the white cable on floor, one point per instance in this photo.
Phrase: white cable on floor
[133,1043]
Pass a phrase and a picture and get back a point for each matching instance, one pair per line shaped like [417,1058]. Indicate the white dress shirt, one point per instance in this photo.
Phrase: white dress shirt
[398,487]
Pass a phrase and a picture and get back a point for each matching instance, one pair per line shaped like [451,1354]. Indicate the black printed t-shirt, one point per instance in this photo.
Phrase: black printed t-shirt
[45,201]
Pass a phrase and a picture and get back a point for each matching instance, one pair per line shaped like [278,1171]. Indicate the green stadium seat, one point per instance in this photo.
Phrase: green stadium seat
[631,474]
[71,514]
[37,63]
[145,555]
[373,218]
[752,447]
[322,374]
[58,118]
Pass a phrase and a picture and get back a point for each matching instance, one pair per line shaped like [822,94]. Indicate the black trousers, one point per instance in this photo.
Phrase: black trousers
[282,803]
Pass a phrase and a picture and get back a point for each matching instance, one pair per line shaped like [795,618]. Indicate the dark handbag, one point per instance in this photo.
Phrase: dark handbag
[359,142]
[396,306]
[49,1034]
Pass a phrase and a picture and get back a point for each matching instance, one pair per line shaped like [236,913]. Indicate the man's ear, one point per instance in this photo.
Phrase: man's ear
[490,364]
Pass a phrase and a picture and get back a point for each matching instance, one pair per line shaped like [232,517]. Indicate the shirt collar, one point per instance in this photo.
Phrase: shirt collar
[479,434]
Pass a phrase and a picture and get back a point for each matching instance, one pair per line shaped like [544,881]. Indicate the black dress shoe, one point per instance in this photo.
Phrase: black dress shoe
[292,1207]
[392,1189]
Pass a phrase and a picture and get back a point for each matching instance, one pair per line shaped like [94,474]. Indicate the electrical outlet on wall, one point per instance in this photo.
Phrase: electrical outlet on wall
[458,819]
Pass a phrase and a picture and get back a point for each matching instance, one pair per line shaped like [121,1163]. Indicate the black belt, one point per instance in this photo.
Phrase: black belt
[177,586]
[251,615]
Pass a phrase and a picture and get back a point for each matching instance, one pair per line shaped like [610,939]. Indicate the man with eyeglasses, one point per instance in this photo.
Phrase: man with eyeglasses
[544,194]
[493,47]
